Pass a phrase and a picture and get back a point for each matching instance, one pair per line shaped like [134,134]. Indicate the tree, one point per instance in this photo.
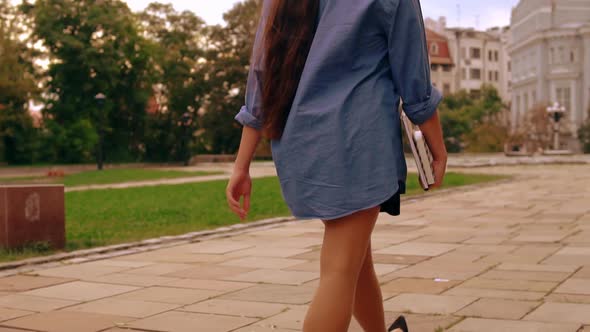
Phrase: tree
[181,84]
[228,59]
[474,125]
[17,88]
[95,47]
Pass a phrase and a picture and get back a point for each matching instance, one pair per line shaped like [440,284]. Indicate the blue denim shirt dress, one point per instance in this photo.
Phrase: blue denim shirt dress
[341,150]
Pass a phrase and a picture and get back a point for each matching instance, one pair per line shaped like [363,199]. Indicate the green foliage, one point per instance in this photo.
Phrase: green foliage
[228,60]
[584,134]
[473,124]
[96,48]
[17,87]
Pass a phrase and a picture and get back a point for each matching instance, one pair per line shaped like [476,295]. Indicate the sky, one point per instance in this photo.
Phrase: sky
[474,13]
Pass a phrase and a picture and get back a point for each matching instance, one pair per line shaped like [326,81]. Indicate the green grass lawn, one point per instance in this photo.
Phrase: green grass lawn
[112,216]
[108,176]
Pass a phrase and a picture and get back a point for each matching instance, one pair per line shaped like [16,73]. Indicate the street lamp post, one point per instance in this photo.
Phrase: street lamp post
[556,112]
[186,122]
[100,101]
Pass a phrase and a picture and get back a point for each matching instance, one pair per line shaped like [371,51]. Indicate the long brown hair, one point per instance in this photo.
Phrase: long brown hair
[288,36]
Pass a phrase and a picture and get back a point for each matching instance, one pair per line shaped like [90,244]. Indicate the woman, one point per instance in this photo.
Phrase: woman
[325,83]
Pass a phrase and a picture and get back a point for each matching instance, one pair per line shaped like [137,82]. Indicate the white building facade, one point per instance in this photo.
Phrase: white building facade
[550,51]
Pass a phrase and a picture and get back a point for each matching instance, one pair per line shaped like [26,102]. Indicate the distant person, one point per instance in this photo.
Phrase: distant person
[325,83]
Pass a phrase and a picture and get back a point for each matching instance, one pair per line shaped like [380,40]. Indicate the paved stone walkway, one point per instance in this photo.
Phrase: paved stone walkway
[510,257]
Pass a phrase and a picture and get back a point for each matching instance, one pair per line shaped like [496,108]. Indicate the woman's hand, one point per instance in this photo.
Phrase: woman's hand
[440,168]
[240,184]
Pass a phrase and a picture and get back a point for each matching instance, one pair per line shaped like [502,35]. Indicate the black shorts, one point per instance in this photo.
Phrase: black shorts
[392,205]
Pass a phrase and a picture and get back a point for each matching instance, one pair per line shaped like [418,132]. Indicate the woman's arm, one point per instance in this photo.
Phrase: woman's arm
[433,133]
[250,139]
[240,183]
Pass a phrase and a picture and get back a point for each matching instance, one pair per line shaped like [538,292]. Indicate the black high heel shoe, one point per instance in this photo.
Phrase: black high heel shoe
[400,323]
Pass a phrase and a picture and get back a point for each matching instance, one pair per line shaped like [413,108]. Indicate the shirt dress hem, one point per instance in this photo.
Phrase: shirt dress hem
[373,203]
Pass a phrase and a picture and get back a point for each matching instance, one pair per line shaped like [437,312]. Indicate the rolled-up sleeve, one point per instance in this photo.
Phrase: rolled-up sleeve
[251,114]
[409,61]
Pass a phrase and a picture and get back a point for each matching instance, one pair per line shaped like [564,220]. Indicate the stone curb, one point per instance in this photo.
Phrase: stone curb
[86,255]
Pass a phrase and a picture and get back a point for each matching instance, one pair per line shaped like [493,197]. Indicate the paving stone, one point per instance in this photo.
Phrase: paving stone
[415,285]
[78,271]
[520,285]
[122,263]
[80,291]
[495,293]
[575,286]
[498,308]
[268,251]
[7,329]
[496,325]
[67,321]
[217,247]
[209,271]
[256,328]
[273,294]
[182,321]
[169,295]
[429,270]
[561,312]
[428,304]
[7,313]
[525,275]
[214,285]
[537,267]
[263,262]
[123,307]
[398,259]
[236,308]
[33,303]
[159,269]
[290,319]
[584,273]
[133,279]
[275,276]
[418,249]
[568,298]
[19,283]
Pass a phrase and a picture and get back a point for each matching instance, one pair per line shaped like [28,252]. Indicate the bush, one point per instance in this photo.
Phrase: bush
[486,137]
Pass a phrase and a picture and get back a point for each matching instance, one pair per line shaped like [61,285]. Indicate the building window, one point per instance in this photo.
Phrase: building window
[526,101]
[552,56]
[463,53]
[497,76]
[434,67]
[534,95]
[564,97]
[464,73]
[475,53]
[496,56]
[434,48]
[517,108]
[490,55]
[447,68]
[490,76]
[475,74]
[509,66]
[446,89]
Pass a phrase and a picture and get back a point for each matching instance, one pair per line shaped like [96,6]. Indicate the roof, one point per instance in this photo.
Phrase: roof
[439,43]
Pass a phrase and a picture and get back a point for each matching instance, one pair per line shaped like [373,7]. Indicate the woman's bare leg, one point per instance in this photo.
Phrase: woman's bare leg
[368,303]
[343,251]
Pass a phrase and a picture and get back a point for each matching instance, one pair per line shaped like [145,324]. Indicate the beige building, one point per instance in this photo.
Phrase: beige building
[441,63]
[479,57]
[550,48]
